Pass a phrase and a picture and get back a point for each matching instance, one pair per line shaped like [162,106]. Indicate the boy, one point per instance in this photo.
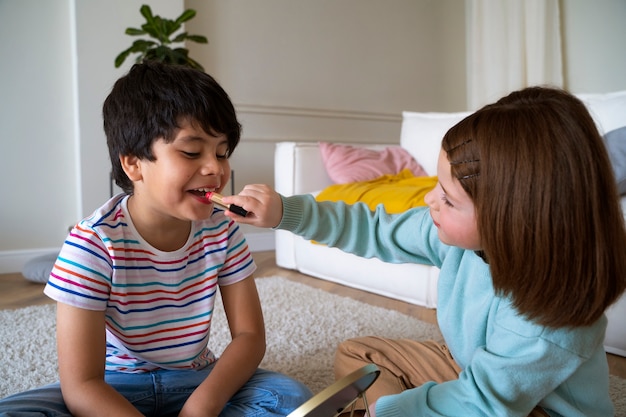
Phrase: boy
[136,281]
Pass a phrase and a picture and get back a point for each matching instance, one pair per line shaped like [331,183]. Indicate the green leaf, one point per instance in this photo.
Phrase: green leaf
[150,30]
[146,12]
[119,60]
[185,16]
[187,37]
[170,27]
[142,44]
[151,55]
[151,26]
[182,52]
[161,29]
[184,59]
[197,38]
[134,31]
[180,37]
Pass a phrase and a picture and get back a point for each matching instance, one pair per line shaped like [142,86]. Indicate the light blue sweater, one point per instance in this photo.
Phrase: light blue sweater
[509,364]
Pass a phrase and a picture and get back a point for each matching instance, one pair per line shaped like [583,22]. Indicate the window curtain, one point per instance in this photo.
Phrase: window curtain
[511,44]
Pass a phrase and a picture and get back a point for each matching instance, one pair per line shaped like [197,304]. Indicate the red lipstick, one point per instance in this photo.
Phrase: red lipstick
[217,199]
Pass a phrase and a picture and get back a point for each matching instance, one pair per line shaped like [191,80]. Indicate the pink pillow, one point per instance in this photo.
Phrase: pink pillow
[345,163]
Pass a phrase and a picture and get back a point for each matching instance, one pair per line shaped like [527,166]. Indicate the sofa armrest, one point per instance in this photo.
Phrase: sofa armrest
[299,169]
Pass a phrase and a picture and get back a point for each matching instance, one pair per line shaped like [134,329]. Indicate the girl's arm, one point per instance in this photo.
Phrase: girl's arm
[81,345]
[241,357]
[396,238]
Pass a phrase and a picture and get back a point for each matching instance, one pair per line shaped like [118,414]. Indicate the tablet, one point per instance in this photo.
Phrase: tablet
[341,396]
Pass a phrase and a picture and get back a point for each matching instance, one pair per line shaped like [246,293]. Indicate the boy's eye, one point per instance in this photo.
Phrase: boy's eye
[194,155]
[191,154]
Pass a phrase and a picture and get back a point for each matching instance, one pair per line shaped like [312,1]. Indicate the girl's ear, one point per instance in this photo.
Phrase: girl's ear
[131,166]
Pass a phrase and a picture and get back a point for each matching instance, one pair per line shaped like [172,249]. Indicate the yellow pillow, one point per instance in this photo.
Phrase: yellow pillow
[397,192]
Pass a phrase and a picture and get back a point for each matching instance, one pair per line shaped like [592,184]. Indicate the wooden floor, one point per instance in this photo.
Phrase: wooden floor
[17,292]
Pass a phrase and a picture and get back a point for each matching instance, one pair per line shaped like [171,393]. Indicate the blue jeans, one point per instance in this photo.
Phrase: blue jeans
[163,393]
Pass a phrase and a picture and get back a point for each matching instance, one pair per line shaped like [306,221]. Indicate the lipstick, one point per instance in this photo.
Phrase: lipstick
[217,199]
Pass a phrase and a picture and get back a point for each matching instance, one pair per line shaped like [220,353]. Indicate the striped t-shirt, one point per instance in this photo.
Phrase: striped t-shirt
[158,305]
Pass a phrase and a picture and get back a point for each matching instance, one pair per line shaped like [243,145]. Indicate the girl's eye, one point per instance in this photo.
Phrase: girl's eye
[224,156]
[191,154]
[446,201]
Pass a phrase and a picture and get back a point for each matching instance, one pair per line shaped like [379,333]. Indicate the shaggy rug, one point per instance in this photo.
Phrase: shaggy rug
[304,325]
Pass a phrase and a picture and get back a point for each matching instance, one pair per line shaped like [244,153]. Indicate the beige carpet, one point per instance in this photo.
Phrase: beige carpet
[304,325]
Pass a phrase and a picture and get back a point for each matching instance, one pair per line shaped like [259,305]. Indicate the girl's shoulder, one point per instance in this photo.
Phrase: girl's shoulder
[584,340]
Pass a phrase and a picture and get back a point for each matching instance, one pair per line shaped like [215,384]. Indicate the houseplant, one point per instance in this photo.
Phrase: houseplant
[161,48]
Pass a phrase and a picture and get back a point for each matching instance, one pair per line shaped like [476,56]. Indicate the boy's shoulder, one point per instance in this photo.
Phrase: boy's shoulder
[111,211]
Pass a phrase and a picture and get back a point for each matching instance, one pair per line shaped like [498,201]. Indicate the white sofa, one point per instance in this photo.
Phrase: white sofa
[299,169]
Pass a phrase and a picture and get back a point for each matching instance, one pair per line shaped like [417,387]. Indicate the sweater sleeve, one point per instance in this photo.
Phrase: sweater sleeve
[408,237]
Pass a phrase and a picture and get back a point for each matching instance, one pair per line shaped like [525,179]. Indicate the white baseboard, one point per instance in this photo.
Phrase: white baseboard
[14,261]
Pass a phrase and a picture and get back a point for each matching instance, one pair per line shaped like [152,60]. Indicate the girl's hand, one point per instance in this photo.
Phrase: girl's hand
[264,205]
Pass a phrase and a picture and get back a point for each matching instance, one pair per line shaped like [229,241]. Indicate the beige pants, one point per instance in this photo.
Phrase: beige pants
[403,364]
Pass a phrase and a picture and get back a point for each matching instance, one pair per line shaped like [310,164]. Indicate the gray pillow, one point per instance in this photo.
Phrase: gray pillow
[615,142]
[38,269]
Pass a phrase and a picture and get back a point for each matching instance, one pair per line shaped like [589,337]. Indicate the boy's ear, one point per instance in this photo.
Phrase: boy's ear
[131,166]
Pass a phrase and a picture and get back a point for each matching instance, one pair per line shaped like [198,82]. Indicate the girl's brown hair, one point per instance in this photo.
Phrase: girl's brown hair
[547,206]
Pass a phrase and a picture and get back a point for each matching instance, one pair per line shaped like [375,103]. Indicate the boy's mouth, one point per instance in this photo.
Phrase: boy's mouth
[201,192]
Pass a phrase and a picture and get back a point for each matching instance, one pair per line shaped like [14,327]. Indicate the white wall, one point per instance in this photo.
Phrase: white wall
[100,27]
[57,68]
[328,70]
[594,37]
[37,176]
[352,55]
[310,70]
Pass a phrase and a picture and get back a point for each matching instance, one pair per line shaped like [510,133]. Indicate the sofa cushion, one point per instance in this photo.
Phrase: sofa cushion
[397,192]
[607,109]
[615,142]
[38,269]
[346,163]
[421,135]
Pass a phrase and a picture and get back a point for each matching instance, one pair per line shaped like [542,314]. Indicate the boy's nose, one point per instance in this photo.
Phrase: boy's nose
[211,166]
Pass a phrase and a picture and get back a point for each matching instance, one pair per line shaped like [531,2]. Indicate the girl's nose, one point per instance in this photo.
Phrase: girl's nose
[430,199]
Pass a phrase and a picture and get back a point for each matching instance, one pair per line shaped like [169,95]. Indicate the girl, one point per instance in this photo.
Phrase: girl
[526,229]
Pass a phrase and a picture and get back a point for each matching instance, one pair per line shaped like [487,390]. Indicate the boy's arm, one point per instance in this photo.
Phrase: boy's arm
[241,357]
[81,345]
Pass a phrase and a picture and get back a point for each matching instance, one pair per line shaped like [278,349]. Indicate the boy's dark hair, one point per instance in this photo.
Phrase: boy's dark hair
[547,206]
[151,101]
